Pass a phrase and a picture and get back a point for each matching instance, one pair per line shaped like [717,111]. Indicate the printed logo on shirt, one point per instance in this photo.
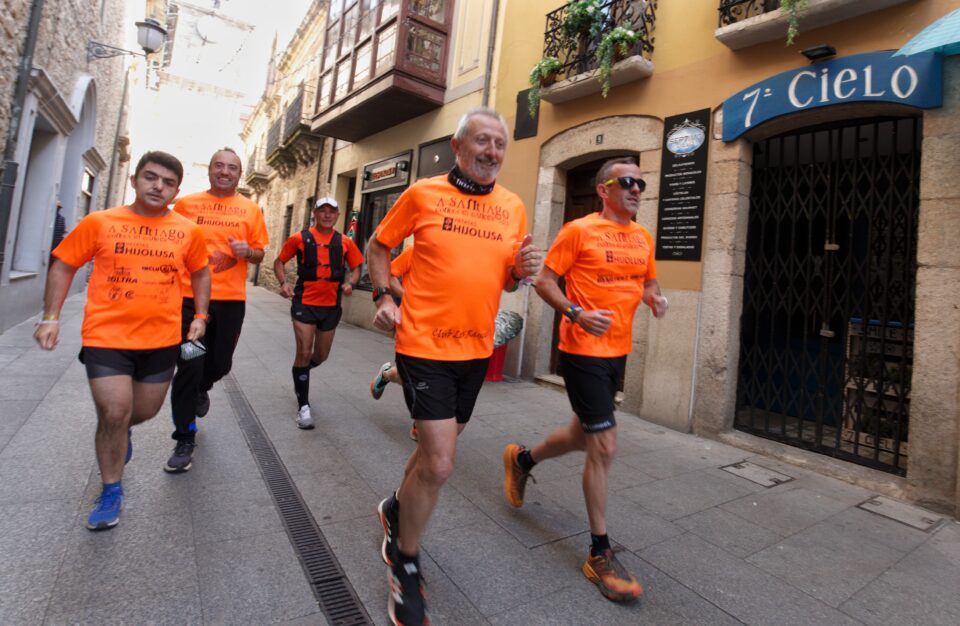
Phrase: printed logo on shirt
[134,232]
[458,227]
[473,208]
[624,259]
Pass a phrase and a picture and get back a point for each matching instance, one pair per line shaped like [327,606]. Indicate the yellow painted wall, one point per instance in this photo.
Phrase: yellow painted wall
[692,70]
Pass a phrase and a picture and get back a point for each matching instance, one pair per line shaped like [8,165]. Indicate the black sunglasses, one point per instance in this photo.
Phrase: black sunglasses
[627,182]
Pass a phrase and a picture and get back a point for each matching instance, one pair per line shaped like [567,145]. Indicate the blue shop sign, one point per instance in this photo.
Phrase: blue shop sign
[915,80]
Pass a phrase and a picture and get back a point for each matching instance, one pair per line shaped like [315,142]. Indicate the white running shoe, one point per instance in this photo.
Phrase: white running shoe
[304,418]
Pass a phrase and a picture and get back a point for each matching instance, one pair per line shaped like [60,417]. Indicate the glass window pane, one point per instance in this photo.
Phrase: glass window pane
[349,28]
[330,46]
[367,18]
[343,79]
[361,69]
[386,46]
[336,10]
[424,49]
[390,8]
[432,9]
[326,86]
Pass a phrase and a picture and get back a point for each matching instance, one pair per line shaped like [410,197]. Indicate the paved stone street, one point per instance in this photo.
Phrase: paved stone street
[210,547]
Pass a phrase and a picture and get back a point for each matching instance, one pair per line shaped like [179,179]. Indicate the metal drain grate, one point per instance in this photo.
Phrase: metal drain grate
[335,594]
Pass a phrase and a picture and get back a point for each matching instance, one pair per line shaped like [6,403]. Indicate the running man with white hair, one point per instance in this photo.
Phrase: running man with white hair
[471,244]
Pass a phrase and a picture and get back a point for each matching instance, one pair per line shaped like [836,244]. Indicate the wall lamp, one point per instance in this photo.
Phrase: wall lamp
[150,37]
[817,53]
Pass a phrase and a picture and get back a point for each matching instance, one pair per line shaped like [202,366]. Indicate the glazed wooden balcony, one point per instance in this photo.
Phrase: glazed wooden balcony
[384,63]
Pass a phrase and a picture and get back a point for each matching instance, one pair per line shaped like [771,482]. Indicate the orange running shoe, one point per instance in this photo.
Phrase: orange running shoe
[514,477]
[613,579]
[413,433]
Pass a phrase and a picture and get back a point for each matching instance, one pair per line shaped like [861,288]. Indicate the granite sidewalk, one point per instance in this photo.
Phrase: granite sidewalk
[209,546]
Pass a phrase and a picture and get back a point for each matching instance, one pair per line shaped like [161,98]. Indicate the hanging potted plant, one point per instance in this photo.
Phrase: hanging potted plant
[793,9]
[614,46]
[543,74]
[583,19]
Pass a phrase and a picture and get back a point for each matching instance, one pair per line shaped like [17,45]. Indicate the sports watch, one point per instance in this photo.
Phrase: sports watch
[379,292]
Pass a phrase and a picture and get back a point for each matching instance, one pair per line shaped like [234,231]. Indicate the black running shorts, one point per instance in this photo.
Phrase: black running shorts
[592,384]
[144,366]
[439,390]
[323,317]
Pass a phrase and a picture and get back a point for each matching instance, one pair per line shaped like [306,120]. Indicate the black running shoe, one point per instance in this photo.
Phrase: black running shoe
[407,604]
[389,514]
[203,403]
[182,458]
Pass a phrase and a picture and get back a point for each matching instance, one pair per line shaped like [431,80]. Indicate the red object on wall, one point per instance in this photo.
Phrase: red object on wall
[495,367]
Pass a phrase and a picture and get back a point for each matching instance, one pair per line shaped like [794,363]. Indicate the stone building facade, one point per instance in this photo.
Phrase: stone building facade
[817,320]
[67,142]
[286,165]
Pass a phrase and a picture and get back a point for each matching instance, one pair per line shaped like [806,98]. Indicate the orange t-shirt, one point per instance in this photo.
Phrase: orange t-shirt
[465,245]
[321,292]
[134,294]
[400,266]
[605,265]
[223,219]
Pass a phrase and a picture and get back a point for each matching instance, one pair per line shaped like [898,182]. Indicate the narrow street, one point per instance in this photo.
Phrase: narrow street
[210,546]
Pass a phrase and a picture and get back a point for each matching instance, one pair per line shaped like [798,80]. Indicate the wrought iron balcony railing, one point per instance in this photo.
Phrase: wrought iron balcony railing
[578,54]
[733,11]
[273,135]
[294,117]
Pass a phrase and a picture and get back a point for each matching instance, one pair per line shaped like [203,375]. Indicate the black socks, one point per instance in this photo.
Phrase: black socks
[301,385]
[525,460]
[599,543]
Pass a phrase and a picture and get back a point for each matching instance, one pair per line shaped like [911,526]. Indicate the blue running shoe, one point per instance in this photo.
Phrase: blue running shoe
[379,382]
[106,512]
[129,446]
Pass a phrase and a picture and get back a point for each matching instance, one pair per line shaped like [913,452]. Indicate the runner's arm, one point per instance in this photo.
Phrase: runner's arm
[596,322]
[378,258]
[396,287]
[654,299]
[200,283]
[278,271]
[352,282]
[59,278]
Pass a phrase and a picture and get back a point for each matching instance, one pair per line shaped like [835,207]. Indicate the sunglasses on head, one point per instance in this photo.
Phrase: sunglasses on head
[627,182]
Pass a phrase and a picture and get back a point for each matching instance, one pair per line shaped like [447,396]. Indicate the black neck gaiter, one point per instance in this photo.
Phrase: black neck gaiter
[467,186]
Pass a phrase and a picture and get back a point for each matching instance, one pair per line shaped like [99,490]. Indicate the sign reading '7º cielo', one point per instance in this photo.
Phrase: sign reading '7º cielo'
[915,81]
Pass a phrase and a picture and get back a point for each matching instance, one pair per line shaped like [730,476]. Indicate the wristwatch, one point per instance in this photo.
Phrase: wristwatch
[379,292]
[573,312]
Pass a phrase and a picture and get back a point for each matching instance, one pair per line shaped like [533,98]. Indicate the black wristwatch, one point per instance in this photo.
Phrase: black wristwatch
[379,292]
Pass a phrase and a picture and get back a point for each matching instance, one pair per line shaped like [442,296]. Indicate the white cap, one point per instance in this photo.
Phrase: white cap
[326,200]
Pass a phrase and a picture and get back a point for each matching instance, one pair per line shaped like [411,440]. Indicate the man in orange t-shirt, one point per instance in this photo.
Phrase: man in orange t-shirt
[470,246]
[608,262]
[236,237]
[321,280]
[131,321]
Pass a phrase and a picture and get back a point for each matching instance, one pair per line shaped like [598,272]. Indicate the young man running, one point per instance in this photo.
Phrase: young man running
[131,321]
[399,268]
[471,245]
[323,257]
[608,262]
[236,236]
